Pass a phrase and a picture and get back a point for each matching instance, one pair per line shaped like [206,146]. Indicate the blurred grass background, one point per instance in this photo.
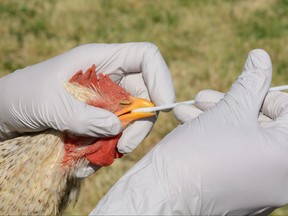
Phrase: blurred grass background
[205,44]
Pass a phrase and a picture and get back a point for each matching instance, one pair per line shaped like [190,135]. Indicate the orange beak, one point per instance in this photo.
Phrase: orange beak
[125,114]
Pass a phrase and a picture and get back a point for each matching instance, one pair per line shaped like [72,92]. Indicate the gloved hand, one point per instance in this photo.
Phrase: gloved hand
[204,100]
[219,163]
[34,98]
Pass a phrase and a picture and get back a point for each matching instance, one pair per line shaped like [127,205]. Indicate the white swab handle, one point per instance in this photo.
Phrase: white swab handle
[190,102]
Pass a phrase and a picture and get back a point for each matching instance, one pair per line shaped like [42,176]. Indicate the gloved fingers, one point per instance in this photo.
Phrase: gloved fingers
[147,59]
[136,132]
[247,93]
[86,171]
[134,84]
[185,113]
[275,106]
[156,75]
[133,135]
[206,99]
[264,120]
[84,120]
[118,60]
[48,107]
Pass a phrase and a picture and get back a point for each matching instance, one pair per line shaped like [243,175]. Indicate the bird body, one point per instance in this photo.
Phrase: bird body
[32,178]
[37,170]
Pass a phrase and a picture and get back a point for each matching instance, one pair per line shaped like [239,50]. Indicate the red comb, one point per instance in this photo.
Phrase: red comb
[103,83]
[109,91]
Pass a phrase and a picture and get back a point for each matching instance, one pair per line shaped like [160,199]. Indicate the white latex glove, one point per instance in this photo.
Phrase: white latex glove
[219,163]
[34,98]
[204,100]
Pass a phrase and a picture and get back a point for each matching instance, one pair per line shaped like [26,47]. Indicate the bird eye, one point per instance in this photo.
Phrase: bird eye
[124,102]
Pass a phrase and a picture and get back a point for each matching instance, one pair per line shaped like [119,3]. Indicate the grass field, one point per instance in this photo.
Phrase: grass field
[205,44]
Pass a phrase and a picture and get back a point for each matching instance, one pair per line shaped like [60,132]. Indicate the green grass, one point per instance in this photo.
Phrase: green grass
[204,42]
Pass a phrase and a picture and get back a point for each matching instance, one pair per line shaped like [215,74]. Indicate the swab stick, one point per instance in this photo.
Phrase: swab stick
[190,102]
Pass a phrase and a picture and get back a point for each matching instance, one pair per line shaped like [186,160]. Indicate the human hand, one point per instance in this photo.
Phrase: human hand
[34,98]
[204,100]
[253,135]
[221,161]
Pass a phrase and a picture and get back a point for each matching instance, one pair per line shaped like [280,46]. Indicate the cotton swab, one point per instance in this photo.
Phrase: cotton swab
[163,107]
[279,88]
[190,102]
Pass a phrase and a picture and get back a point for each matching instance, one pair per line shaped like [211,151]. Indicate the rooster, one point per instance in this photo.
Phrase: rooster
[37,171]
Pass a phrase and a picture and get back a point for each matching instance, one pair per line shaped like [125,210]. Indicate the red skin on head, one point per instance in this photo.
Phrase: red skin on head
[99,151]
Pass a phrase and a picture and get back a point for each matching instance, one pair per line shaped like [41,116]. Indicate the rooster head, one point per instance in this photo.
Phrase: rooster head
[102,92]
